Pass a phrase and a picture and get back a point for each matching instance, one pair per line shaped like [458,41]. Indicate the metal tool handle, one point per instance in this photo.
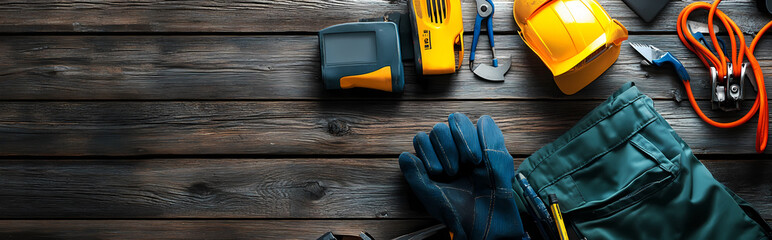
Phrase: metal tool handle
[476,36]
[490,38]
[486,15]
[421,234]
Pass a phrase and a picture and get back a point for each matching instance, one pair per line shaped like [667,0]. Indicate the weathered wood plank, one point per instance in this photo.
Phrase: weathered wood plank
[254,188]
[282,16]
[205,188]
[306,127]
[203,229]
[287,67]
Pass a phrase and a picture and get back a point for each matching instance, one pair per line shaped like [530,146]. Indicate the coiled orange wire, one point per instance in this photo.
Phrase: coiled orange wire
[720,63]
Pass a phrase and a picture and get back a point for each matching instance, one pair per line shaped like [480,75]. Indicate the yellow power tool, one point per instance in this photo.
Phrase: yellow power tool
[438,35]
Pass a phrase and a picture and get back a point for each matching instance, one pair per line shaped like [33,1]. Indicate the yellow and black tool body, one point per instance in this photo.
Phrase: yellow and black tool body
[438,35]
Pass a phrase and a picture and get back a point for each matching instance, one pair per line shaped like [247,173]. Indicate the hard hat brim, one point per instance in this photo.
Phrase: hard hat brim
[576,79]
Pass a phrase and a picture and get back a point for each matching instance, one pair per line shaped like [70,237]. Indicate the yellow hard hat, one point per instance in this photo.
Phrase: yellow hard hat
[576,39]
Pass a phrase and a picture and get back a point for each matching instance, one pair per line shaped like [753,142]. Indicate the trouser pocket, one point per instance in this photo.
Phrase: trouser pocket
[647,195]
[623,173]
[615,180]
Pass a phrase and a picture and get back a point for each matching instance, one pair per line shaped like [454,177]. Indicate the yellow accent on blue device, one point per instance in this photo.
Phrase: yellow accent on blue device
[362,54]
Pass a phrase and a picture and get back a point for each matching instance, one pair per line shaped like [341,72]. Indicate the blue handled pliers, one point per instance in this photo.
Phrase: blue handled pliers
[491,73]
[658,58]
[698,31]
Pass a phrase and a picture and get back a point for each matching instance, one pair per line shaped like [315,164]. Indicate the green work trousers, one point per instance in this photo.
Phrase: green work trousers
[623,173]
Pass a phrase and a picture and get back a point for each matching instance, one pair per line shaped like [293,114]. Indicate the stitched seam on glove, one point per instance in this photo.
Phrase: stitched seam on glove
[494,150]
[491,181]
[428,163]
[492,202]
[447,161]
[463,139]
[458,189]
[447,201]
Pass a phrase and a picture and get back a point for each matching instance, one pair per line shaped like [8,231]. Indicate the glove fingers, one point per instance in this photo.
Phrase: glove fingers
[415,174]
[496,154]
[465,137]
[425,151]
[445,148]
[490,134]
[429,193]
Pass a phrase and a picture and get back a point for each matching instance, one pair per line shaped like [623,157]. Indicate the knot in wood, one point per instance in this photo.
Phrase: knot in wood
[201,189]
[382,214]
[315,190]
[338,128]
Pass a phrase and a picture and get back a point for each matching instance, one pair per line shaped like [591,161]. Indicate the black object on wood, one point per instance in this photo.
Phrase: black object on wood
[646,9]
[765,6]
[331,236]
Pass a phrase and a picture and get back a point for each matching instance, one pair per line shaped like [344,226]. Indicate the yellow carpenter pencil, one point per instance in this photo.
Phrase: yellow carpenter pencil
[555,208]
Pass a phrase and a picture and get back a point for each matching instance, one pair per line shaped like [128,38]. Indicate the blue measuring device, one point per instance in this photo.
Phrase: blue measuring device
[362,54]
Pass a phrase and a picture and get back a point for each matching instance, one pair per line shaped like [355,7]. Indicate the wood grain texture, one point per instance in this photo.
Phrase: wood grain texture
[287,67]
[364,188]
[203,229]
[178,88]
[307,127]
[206,188]
[282,15]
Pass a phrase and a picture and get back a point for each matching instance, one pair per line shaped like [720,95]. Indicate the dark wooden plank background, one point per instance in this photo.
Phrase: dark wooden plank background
[242,188]
[284,16]
[204,67]
[207,119]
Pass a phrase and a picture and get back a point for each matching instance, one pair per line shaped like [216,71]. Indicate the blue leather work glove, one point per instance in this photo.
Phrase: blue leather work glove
[463,176]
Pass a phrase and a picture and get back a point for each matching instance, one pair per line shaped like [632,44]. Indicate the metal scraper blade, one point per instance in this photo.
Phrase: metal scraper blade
[695,26]
[492,73]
